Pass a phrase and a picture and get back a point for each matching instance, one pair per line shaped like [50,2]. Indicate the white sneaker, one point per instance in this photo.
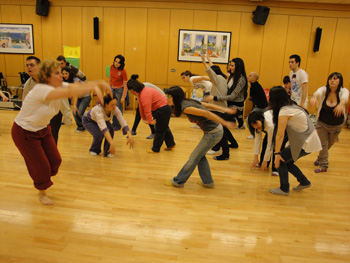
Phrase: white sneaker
[195,126]
[93,154]
[110,155]
[211,152]
[274,173]
[250,137]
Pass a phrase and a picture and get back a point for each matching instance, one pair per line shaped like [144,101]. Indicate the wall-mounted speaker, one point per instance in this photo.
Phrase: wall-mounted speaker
[260,15]
[96,28]
[42,7]
[317,39]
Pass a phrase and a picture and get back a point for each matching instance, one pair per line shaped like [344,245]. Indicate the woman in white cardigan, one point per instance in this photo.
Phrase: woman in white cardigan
[330,101]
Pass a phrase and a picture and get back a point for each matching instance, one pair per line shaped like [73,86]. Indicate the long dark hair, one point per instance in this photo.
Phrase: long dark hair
[134,84]
[121,62]
[253,118]
[178,96]
[236,75]
[278,97]
[340,77]
[218,71]
[71,75]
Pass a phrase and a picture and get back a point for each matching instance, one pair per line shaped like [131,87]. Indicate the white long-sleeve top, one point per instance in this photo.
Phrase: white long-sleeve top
[98,115]
[268,127]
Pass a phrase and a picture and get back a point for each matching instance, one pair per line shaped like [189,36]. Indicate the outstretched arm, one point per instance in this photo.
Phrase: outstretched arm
[209,60]
[209,115]
[79,89]
[204,62]
[218,108]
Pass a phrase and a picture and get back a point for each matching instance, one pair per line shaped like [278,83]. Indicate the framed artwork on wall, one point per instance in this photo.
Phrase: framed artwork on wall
[16,39]
[193,43]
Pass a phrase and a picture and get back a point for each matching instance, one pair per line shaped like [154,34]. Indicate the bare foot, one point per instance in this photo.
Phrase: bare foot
[44,199]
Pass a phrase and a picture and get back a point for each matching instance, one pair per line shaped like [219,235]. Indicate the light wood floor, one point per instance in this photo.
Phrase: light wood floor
[118,210]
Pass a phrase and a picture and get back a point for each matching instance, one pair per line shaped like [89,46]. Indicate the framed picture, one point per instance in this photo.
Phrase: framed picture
[193,43]
[16,39]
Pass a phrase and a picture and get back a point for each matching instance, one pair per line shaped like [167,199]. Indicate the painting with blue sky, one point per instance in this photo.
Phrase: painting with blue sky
[16,38]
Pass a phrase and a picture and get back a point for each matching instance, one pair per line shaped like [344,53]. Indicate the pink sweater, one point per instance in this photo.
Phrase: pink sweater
[150,100]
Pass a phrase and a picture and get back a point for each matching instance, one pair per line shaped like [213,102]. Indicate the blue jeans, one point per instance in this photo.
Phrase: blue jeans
[289,166]
[82,104]
[197,158]
[118,93]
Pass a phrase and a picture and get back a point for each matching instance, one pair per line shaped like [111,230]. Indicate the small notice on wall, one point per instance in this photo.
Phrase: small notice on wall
[71,52]
[72,55]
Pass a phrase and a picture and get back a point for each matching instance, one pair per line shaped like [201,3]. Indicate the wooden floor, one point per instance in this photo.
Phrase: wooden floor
[118,210]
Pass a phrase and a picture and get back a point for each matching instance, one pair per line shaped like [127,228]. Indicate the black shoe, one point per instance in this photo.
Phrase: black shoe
[233,146]
[221,157]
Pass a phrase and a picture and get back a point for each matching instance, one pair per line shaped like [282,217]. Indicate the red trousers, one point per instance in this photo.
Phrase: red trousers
[40,154]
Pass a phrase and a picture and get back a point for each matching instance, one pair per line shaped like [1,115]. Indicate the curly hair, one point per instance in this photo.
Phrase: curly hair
[45,69]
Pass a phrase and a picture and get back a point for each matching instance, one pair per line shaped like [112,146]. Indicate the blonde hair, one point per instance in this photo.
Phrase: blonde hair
[45,69]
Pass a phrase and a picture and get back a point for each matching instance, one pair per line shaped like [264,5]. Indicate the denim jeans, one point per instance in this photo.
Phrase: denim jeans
[197,158]
[288,166]
[98,136]
[82,104]
[118,93]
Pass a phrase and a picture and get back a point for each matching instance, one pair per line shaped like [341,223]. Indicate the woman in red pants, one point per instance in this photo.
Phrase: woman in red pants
[31,131]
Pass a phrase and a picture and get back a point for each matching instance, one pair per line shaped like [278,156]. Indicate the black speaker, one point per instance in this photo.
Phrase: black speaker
[96,28]
[260,15]
[42,7]
[317,39]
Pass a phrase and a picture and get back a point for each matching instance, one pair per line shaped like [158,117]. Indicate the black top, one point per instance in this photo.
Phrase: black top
[327,114]
[258,96]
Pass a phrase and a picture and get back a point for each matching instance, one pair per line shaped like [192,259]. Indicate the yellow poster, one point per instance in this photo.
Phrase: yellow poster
[71,52]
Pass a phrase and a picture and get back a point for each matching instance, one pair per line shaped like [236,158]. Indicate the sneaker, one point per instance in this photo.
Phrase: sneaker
[151,136]
[195,126]
[172,183]
[274,173]
[251,137]
[301,187]
[133,132]
[110,155]
[93,154]
[221,157]
[320,170]
[211,185]
[77,131]
[278,191]
[233,146]
[211,152]
[169,148]
[317,163]
[241,128]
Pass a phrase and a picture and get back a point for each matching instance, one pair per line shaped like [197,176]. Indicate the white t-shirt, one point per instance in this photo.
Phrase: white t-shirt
[36,111]
[204,84]
[299,123]
[301,77]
